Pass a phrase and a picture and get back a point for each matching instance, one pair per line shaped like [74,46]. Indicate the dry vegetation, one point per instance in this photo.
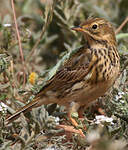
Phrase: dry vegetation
[45,37]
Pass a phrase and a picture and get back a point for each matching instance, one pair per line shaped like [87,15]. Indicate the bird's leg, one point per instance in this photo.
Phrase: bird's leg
[101,111]
[72,109]
[73,121]
[97,107]
[80,114]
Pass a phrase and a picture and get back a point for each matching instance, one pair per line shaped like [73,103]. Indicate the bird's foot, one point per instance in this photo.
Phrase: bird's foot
[71,129]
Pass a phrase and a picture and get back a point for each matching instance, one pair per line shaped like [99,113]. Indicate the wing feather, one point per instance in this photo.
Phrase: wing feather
[73,71]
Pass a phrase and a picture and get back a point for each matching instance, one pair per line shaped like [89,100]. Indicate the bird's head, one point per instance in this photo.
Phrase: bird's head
[97,29]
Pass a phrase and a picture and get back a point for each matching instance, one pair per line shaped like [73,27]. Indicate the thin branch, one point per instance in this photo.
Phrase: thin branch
[17,32]
[19,41]
[122,25]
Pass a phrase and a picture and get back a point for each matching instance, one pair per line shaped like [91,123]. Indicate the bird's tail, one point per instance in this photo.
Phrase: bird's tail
[24,110]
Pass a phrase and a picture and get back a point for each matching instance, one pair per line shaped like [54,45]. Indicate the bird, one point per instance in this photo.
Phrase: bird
[86,75]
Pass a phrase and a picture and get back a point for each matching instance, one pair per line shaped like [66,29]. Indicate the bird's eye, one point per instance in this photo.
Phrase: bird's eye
[94,26]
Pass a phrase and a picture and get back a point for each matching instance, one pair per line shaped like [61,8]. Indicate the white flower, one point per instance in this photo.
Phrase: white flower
[7,25]
[119,96]
[121,93]
[101,118]
[57,119]
[3,107]
[122,101]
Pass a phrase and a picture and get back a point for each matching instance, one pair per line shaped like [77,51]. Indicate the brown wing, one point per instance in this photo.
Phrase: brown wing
[74,70]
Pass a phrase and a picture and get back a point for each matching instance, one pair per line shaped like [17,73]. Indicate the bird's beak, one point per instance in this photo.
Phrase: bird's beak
[80,29]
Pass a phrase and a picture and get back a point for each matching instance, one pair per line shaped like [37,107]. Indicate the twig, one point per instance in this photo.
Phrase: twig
[17,32]
[19,41]
[47,22]
[122,25]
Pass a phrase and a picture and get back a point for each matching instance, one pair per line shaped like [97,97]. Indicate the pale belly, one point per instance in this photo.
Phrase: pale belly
[89,92]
